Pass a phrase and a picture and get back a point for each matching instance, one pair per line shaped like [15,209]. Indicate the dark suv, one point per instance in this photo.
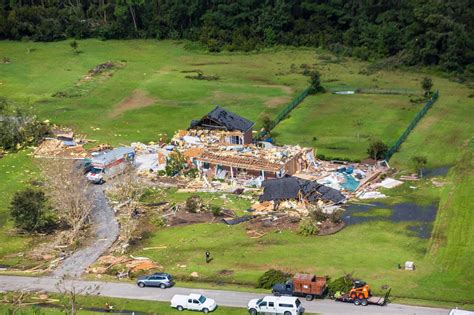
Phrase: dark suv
[159,279]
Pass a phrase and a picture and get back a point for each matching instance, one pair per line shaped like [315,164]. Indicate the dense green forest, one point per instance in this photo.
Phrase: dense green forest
[410,32]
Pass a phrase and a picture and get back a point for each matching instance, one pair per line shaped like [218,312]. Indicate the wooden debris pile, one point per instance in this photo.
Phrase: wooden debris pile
[54,148]
[123,266]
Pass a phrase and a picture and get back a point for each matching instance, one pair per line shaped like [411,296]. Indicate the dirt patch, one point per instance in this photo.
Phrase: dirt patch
[270,223]
[328,228]
[277,101]
[183,217]
[138,99]
[225,272]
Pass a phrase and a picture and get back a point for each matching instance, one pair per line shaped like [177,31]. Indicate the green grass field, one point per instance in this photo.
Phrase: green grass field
[328,123]
[150,95]
[96,304]
[16,170]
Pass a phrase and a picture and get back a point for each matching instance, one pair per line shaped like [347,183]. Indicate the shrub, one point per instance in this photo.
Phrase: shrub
[30,211]
[272,277]
[307,228]
[192,173]
[336,216]
[317,215]
[216,211]
[342,284]
[193,204]
[175,164]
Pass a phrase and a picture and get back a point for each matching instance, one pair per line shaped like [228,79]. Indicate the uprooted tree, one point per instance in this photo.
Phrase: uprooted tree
[68,191]
[127,193]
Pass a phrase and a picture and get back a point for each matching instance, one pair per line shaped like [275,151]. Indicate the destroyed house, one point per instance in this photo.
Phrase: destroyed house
[239,129]
[251,162]
[293,188]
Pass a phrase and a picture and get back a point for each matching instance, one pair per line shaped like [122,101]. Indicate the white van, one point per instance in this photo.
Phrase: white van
[286,305]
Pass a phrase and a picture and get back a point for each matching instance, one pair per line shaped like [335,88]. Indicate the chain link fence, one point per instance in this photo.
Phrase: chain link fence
[284,113]
[394,148]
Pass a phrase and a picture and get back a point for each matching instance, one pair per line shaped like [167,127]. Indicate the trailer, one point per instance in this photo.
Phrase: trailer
[374,300]
[110,164]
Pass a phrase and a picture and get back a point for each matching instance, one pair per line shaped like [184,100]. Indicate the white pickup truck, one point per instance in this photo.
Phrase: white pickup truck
[193,302]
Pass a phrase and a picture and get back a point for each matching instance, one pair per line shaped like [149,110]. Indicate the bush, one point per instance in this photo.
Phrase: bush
[175,164]
[307,228]
[272,277]
[336,216]
[216,211]
[342,284]
[193,204]
[30,211]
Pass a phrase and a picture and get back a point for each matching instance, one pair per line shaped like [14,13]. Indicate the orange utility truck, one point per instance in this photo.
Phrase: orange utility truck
[302,284]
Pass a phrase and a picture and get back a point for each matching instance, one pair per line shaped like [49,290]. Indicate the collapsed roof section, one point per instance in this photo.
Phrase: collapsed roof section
[296,188]
[219,118]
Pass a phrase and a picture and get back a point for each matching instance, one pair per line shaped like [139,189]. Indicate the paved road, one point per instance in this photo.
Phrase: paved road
[224,298]
[106,232]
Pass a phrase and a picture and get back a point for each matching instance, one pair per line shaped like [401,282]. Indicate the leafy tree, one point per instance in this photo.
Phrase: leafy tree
[419,163]
[377,150]
[30,211]
[315,83]
[427,85]
[267,124]
[175,164]
[431,32]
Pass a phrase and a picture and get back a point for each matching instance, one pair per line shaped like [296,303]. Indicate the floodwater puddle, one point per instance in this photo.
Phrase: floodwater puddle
[436,171]
[420,217]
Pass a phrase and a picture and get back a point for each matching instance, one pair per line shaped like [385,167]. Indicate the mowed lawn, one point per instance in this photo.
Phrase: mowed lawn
[16,171]
[342,126]
[96,305]
[149,94]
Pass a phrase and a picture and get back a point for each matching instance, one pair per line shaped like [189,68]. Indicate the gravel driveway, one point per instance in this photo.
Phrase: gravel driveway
[106,231]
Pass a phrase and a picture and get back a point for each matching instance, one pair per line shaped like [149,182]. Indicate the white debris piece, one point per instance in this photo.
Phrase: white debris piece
[409,265]
[389,183]
[372,195]
[192,140]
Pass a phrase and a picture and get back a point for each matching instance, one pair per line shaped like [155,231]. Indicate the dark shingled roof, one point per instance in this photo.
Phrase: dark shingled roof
[289,187]
[229,120]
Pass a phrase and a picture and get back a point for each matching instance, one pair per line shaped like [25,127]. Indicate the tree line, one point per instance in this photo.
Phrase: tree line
[426,32]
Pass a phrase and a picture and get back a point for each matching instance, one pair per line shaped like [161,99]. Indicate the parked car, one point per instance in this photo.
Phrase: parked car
[159,279]
[285,305]
[193,302]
